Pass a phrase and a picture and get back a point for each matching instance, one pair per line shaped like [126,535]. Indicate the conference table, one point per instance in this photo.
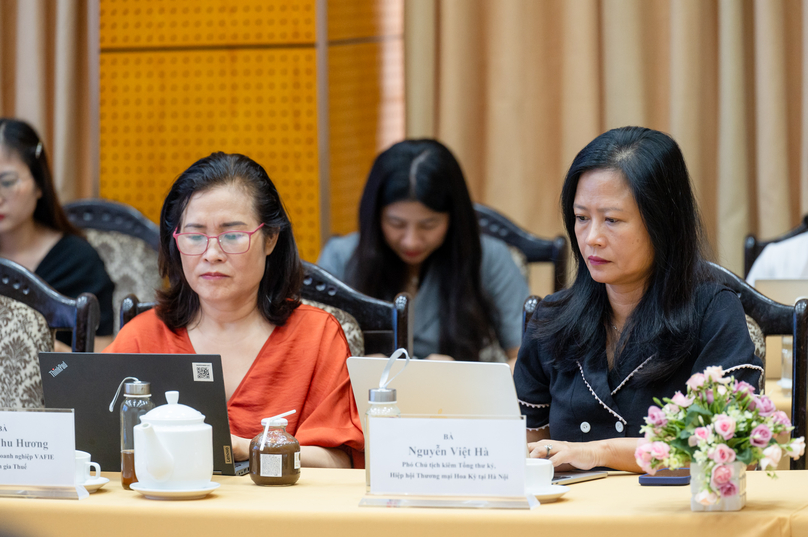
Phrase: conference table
[326,502]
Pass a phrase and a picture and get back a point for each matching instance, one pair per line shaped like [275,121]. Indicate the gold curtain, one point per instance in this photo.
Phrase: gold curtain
[44,80]
[517,87]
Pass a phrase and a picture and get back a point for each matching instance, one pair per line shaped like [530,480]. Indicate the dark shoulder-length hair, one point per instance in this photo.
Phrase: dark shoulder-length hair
[19,138]
[279,291]
[426,171]
[664,322]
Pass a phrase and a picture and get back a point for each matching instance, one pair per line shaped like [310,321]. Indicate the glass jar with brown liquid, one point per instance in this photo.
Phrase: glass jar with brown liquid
[274,455]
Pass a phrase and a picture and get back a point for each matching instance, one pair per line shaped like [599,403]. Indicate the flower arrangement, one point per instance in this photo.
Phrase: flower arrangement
[718,422]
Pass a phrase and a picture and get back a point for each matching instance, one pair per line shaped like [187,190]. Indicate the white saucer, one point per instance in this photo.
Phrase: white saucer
[193,494]
[549,493]
[95,483]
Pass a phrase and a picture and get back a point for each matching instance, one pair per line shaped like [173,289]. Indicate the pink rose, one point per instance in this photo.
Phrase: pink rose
[744,387]
[696,381]
[771,457]
[714,373]
[724,426]
[721,475]
[699,435]
[709,397]
[781,418]
[643,456]
[703,433]
[660,450]
[670,408]
[722,454]
[656,417]
[796,448]
[728,489]
[765,406]
[761,436]
[681,400]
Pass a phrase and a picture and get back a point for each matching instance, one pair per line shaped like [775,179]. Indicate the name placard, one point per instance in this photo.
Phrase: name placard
[447,457]
[37,447]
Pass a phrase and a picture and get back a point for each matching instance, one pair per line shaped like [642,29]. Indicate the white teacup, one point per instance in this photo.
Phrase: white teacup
[83,466]
[538,474]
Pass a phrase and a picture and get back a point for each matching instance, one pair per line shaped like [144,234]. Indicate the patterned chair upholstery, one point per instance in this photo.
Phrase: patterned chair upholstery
[385,326]
[24,332]
[353,333]
[30,312]
[131,264]
[126,241]
[756,334]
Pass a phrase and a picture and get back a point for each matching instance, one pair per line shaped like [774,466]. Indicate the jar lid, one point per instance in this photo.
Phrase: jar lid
[137,388]
[274,422]
[173,413]
[382,395]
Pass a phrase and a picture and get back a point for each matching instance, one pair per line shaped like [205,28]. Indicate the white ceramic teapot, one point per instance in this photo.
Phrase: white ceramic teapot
[173,447]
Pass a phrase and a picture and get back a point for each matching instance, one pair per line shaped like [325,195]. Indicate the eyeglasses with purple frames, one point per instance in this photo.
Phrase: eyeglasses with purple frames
[231,242]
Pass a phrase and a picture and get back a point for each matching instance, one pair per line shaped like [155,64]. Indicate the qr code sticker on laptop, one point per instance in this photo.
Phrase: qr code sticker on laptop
[202,372]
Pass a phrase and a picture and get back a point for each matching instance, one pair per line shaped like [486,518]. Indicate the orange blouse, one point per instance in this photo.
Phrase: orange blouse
[301,366]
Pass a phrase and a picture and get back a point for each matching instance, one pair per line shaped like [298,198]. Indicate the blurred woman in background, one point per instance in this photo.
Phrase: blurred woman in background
[35,232]
[418,233]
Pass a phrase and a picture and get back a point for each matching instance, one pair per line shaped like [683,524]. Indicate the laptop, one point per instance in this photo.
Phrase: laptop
[86,382]
[448,388]
[783,291]
[439,388]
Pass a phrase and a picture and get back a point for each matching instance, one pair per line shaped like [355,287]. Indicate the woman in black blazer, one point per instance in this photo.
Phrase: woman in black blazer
[642,315]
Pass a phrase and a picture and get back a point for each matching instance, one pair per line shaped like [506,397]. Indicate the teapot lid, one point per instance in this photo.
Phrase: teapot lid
[173,413]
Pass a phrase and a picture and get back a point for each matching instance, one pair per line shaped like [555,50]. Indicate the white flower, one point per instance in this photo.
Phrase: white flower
[771,457]
[705,497]
[796,448]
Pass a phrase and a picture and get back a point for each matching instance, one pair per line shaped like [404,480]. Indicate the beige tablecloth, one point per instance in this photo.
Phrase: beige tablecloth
[325,502]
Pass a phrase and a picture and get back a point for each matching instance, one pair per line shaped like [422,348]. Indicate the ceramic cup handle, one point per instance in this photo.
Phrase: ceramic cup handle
[95,466]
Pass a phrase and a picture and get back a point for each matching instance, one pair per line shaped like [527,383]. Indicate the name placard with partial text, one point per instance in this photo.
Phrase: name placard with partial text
[447,457]
[37,447]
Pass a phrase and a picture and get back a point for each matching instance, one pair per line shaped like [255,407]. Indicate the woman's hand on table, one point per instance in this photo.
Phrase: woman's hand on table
[615,453]
[320,457]
[566,455]
[241,447]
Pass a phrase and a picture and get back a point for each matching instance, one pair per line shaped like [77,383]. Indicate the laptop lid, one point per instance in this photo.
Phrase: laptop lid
[86,382]
[436,387]
[783,291]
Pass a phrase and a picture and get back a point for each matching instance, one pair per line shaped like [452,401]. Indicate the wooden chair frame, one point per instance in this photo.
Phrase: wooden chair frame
[535,249]
[106,215]
[80,315]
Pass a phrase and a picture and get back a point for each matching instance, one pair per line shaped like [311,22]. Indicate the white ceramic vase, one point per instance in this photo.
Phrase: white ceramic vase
[732,503]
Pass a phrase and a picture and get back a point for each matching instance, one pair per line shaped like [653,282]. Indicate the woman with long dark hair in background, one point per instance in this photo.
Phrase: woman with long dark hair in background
[35,232]
[642,315]
[418,233]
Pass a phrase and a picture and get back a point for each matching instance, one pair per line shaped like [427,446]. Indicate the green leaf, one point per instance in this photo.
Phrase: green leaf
[695,411]
[745,456]
[682,445]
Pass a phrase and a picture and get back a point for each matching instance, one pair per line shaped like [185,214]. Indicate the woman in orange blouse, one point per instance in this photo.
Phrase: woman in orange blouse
[227,249]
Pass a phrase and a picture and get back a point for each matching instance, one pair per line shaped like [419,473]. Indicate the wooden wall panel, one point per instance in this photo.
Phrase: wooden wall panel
[162,107]
[356,19]
[366,97]
[181,79]
[161,23]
